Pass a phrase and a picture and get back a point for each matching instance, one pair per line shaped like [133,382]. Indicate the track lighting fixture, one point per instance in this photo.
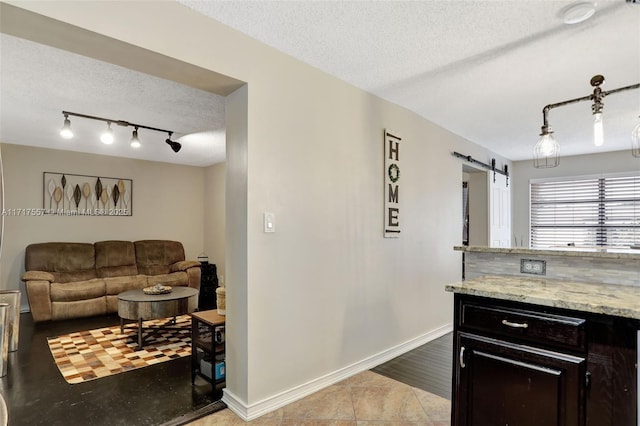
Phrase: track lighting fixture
[546,150]
[107,137]
[135,142]
[66,131]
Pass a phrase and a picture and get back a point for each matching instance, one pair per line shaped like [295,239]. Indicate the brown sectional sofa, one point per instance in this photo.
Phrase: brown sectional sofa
[72,280]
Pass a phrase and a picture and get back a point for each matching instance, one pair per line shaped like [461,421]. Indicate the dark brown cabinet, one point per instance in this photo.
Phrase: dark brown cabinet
[501,383]
[525,365]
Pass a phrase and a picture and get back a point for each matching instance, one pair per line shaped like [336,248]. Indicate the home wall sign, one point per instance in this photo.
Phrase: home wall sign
[391,185]
[69,194]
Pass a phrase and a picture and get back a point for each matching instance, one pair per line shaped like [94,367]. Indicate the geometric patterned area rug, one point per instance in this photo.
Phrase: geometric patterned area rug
[93,354]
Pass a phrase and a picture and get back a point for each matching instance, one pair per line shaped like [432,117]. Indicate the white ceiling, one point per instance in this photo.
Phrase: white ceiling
[482,69]
[38,82]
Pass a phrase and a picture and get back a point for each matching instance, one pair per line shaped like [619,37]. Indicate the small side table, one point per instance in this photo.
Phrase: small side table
[208,347]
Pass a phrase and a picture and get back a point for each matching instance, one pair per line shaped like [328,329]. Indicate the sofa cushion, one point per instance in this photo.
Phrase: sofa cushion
[154,257]
[116,285]
[115,259]
[80,290]
[78,309]
[66,261]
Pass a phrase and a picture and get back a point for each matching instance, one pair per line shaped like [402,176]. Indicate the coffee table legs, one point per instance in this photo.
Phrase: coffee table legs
[139,333]
[151,329]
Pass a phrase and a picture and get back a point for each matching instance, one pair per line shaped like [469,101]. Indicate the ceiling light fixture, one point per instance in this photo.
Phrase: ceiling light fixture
[66,131]
[635,141]
[107,136]
[135,142]
[547,149]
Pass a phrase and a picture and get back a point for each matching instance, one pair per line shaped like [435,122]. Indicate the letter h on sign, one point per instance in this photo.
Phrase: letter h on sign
[391,185]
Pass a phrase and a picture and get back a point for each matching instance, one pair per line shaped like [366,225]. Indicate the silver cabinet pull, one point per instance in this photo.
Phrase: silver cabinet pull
[462,364]
[515,324]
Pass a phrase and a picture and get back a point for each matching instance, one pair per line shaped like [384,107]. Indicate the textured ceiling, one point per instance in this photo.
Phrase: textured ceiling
[482,69]
[38,82]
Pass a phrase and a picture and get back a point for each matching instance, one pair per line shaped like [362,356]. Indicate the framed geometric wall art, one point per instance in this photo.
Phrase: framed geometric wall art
[80,195]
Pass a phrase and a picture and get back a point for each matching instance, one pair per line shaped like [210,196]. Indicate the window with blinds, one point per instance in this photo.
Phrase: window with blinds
[599,211]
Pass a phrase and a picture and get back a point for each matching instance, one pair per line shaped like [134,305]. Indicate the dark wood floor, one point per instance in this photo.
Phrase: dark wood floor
[428,367]
[36,394]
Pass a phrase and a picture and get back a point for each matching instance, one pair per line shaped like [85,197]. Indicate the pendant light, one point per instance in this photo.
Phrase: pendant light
[635,141]
[547,149]
[546,152]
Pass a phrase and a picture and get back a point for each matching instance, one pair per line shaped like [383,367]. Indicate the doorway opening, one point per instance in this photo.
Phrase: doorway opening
[475,207]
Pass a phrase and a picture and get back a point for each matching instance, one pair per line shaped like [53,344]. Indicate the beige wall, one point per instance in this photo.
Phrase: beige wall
[577,165]
[324,292]
[478,209]
[214,216]
[167,204]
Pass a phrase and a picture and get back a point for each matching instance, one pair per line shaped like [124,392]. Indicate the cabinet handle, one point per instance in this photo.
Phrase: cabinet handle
[462,364]
[515,324]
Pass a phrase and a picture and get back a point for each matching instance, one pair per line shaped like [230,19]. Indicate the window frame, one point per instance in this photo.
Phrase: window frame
[602,226]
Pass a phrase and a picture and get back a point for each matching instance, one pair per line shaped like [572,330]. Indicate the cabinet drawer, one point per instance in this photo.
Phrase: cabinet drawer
[531,326]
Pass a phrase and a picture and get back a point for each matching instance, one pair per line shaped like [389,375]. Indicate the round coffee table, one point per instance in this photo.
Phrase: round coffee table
[137,306]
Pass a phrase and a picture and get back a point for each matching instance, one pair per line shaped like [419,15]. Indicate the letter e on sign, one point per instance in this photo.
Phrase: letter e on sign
[392,179]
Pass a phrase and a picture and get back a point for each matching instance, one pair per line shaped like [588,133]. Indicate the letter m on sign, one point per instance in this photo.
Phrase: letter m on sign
[392,193]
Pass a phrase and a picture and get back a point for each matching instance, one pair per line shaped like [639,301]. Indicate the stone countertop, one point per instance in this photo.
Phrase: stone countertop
[615,300]
[611,253]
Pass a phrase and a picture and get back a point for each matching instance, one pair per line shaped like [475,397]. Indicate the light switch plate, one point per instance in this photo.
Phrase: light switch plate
[269,222]
[531,266]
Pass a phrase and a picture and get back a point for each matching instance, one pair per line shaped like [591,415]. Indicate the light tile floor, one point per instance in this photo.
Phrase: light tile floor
[366,399]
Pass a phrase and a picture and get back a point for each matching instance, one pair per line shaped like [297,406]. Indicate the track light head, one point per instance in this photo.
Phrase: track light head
[135,142]
[175,146]
[66,131]
[107,136]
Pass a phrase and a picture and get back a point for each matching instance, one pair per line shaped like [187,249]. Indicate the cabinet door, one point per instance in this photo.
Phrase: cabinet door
[500,383]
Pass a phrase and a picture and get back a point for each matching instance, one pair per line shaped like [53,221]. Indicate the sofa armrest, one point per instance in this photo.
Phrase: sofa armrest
[183,265]
[37,276]
[39,295]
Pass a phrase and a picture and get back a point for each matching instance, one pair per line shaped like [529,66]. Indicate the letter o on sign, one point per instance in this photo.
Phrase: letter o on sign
[394,173]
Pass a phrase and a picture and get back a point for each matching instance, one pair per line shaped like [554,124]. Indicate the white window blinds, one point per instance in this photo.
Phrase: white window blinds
[600,211]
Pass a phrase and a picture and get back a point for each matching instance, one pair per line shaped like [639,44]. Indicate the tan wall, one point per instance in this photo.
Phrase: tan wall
[214,214]
[167,204]
[478,209]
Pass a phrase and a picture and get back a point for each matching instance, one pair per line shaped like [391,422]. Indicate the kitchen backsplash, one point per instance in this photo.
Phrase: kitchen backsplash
[609,270]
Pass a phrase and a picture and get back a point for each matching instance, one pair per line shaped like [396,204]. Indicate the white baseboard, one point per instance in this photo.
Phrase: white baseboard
[255,410]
